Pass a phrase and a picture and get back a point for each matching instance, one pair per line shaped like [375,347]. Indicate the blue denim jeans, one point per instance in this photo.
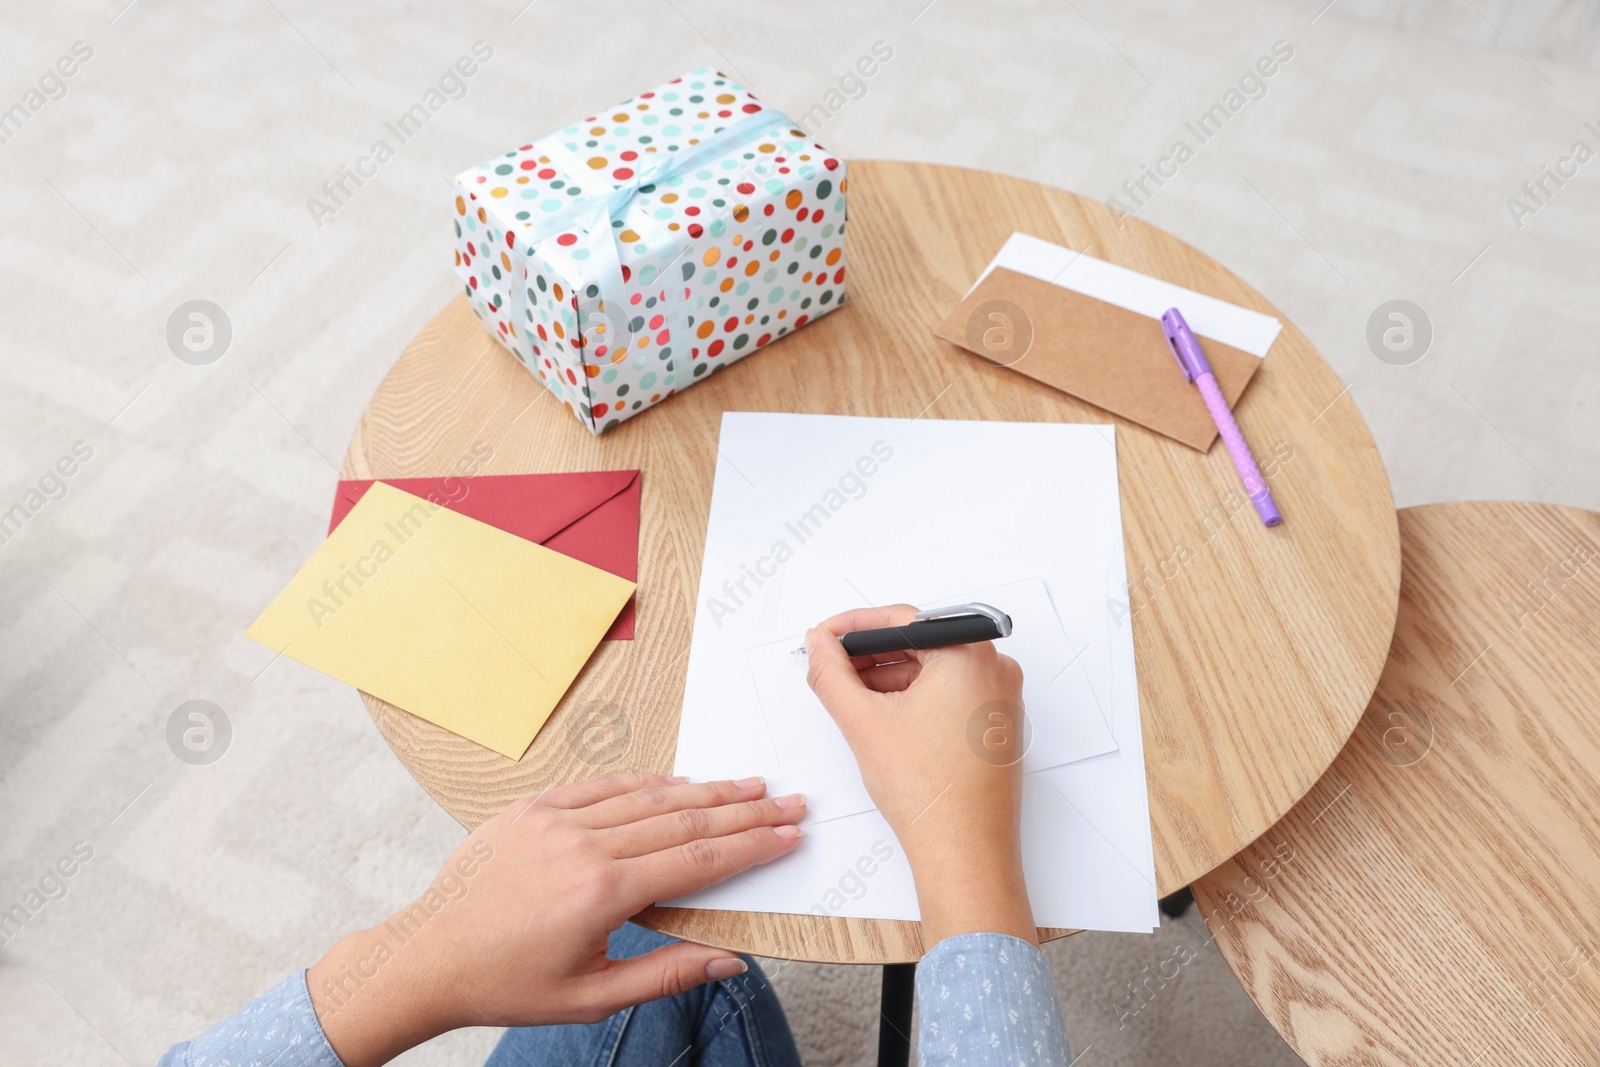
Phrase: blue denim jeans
[736,1022]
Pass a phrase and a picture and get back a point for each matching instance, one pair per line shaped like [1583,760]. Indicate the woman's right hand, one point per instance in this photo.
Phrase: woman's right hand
[938,737]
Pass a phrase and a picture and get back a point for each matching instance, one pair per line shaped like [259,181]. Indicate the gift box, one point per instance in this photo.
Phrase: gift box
[637,252]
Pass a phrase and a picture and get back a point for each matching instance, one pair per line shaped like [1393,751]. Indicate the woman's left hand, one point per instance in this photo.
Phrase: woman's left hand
[513,931]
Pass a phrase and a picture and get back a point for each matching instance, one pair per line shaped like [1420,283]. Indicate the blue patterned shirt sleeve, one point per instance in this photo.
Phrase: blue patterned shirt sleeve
[278,1028]
[988,999]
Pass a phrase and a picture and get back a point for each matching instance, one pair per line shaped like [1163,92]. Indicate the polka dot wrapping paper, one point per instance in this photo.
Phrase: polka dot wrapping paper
[642,249]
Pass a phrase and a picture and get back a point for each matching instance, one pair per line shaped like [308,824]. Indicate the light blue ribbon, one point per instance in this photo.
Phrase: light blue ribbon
[593,217]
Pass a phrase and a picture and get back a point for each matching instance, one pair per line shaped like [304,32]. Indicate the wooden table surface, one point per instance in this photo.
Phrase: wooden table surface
[1436,899]
[1257,649]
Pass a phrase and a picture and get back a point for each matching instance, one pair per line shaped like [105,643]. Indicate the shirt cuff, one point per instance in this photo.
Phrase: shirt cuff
[279,1027]
[988,998]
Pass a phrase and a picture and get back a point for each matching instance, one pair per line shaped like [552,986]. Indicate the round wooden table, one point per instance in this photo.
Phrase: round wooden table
[1436,899]
[1257,649]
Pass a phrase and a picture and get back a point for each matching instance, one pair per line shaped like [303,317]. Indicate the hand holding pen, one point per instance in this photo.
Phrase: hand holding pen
[909,717]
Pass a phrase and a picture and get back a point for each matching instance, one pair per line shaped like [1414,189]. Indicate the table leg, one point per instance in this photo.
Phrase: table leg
[1174,906]
[894,1024]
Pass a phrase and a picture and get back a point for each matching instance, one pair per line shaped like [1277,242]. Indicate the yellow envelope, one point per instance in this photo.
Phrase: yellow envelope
[467,626]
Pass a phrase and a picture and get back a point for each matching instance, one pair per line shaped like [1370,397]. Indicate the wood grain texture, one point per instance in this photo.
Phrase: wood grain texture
[1257,649]
[1436,899]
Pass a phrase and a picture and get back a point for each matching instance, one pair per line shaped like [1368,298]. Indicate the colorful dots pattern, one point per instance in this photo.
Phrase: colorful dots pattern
[747,247]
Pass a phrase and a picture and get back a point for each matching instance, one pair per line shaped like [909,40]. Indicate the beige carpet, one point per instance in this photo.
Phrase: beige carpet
[175,163]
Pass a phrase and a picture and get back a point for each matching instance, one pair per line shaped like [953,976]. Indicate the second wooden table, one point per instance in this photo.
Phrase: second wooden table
[1434,899]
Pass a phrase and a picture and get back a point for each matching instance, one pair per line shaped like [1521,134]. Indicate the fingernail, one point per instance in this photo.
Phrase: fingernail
[750,783]
[786,831]
[717,970]
[811,639]
[792,800]
[678,779]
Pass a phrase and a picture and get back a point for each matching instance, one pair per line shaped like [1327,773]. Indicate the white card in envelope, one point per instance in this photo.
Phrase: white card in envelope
[1065,718]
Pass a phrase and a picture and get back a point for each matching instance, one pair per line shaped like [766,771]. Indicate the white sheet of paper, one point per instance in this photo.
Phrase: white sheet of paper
[1249,331]
[814,513]
[1064,718]
[1087,849]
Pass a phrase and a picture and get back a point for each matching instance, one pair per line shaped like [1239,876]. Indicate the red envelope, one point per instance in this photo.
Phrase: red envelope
[592,516]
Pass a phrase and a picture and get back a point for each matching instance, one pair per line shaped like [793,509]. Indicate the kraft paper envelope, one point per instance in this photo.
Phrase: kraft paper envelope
[467,626]
[588,515]
[1114,358]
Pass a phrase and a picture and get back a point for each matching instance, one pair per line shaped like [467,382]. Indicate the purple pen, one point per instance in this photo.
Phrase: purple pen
[1186,350]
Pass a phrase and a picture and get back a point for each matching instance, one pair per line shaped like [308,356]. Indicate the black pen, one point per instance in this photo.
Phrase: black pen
[959,624]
